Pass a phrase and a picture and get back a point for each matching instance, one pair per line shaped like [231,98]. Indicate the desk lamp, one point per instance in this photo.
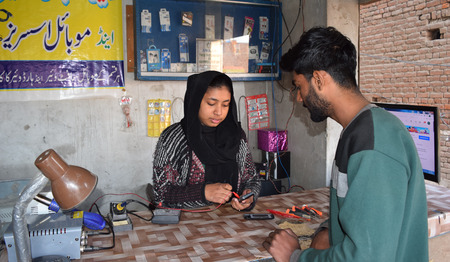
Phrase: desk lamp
[71,185]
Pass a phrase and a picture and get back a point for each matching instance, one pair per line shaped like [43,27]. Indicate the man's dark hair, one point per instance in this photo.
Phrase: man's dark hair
[323,48]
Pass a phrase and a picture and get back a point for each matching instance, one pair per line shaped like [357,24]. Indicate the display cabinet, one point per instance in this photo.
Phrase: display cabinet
[176,38]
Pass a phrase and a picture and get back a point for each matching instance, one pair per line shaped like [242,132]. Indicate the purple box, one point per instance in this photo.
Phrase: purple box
[267,140]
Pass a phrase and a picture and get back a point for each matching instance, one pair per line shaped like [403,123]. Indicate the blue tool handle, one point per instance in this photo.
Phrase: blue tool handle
[93,221]
[53,206]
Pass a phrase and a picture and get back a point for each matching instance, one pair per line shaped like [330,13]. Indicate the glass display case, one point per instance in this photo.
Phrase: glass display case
[176,38]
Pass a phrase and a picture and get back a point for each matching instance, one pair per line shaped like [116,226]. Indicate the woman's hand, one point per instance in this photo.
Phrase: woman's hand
[244,204]
[218,193]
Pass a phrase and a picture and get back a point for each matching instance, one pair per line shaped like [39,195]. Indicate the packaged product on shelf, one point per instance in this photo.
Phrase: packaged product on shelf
[146,21]
[164,18]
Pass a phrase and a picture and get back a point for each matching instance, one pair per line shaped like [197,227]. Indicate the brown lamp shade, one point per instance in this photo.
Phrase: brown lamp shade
[71,185]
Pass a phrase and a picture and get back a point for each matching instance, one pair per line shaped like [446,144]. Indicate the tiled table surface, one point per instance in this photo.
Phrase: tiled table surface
[219,235]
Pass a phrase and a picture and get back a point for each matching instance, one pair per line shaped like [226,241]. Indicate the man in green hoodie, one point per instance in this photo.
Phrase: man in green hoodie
[378,208]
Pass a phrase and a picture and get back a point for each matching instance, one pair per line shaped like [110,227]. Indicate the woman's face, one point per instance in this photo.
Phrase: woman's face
[214,107]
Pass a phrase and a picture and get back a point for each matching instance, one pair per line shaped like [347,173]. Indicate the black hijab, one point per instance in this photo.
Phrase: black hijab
[216,147]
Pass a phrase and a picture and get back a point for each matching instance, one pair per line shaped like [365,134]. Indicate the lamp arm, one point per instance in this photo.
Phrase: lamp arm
[20,227]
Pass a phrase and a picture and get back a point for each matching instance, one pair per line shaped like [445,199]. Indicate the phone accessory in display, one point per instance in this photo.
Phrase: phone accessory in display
[263,28]
[125,103]
[186,18]
[153,59]
[210,27]
[248,26]
[253,52]
[164,19]
[146,21]
[257,111]
[265,68]
[165,59]
[184,47]
[158,116]
[265,50]
[143,60]
[228,26]
[191,67]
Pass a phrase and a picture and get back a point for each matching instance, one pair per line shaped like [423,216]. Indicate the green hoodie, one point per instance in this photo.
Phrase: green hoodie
[378,208]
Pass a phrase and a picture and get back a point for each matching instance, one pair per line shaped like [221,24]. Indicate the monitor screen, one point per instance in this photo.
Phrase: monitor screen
[422,123]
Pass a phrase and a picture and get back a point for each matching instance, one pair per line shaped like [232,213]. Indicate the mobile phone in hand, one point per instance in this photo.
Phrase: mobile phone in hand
[244,197]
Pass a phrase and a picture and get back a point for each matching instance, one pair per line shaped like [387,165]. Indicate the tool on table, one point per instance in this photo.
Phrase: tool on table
[311,210]
[244,197]
[299,212]
[304,212]
[119,217]
[316,211]
[281,214]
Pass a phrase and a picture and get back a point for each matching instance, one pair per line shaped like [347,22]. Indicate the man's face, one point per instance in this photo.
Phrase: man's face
[318,107]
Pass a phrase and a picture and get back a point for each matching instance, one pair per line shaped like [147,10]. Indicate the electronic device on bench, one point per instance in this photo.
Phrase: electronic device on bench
[50,234]
[422,123]
[119,217]
[166,216]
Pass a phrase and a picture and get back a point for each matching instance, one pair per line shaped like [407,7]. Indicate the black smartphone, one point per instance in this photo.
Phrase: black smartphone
[244,197]
[258,216]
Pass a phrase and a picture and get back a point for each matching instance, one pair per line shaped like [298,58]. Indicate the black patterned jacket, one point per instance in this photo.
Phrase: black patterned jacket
[179,176]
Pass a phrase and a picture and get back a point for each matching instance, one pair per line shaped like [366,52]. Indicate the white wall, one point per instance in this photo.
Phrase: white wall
[344,15]
[313,145]
[307,140]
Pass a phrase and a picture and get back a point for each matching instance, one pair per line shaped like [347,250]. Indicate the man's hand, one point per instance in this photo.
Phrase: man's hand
[321,240]
[281,243]
[218,192]
[244,204]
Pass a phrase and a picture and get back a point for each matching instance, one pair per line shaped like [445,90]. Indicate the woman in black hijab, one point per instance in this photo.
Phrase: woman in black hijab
[205,157]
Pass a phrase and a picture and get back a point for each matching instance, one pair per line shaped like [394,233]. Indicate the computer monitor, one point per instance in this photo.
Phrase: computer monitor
[422,123]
